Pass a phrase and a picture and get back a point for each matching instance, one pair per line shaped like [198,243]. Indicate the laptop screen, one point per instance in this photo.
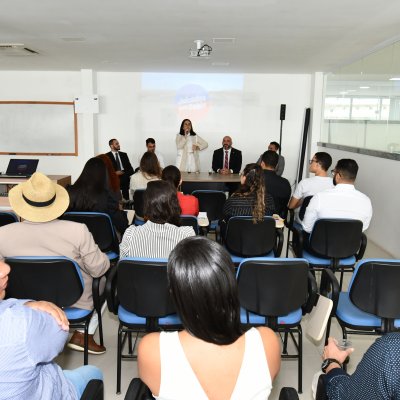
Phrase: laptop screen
[21,167]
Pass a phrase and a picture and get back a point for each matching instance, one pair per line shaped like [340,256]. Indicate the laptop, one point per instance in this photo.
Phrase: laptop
[19,168]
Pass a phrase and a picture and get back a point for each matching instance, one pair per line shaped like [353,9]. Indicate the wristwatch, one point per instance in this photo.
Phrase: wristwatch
[326,363]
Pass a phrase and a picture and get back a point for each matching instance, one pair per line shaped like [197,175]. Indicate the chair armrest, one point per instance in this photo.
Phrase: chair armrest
[363,246]
[137,390]
[98,298]
[111,290]
[288,393]
[279,244]
[312,294]
[94,390]
[290,218]
[332,289]
[218,237]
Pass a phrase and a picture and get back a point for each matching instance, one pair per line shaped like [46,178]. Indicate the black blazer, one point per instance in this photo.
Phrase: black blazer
[235,160]
[124,161]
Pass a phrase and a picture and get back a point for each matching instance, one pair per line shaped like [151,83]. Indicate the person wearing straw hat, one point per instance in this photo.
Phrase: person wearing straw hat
[39,202]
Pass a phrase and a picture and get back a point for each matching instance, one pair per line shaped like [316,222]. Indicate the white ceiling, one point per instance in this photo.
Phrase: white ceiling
[272,36]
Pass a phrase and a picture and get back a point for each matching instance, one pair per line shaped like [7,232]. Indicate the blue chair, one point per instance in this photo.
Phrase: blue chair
[58,280]
[244,239]
[277,293]
[137,291]
[334,243]
[372,303]
[212,202]
[101,228]
[7,217]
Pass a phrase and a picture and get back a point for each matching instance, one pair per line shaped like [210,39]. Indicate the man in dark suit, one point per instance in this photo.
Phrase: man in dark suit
[278,187]
[227,160]
[121,165]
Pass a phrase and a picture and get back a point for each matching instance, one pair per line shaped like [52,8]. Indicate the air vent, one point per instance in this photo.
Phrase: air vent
[224,40]
[15,49]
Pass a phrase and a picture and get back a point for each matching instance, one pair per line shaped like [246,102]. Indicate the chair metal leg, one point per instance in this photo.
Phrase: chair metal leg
[285,343]
[86,344]
[300,365]
[119,358]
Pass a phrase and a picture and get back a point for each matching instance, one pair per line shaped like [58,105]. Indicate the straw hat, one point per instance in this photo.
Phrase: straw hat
[39,199]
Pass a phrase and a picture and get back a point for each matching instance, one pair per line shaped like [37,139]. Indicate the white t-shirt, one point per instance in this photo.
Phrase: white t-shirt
[311,186]
[343,201]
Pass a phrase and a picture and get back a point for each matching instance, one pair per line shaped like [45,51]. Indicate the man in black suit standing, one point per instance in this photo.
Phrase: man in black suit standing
[121,165]
[227,160]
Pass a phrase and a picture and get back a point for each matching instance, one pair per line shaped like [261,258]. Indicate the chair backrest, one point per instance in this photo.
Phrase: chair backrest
[212,202]
[138,203]
[246,239]
[190,220]
[7,218]
[142,287]
[273,287]
[190,187]
[99,225]
[336,238]
[375,287]
[55,279]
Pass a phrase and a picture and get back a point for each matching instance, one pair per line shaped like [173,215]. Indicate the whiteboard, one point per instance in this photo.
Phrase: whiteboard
[38,128]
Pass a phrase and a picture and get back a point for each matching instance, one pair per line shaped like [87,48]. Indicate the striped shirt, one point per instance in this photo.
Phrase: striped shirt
[152,240]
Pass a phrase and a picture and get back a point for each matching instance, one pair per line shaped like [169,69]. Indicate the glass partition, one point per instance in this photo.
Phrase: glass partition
[362,103]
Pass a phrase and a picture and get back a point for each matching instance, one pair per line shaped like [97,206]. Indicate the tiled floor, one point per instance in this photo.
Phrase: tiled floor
[287,376]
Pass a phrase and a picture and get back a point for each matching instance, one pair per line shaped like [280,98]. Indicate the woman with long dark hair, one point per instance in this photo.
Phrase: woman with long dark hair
[188,145]
[150,170]
[251,198]
[90,192]
[189,204]
[212,358]
[161,232]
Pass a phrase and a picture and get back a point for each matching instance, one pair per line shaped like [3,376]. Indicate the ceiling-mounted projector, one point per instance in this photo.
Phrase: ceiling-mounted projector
[202,50]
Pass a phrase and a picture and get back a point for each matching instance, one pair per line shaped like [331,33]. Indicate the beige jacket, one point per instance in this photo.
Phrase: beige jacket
[182,143]
[57,238]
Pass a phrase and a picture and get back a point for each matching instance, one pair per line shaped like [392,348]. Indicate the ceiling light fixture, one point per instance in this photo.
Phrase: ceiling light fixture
[394,79]
[202,50]
[364,87]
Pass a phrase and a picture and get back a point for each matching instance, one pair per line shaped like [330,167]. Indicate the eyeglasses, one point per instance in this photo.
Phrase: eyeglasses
[311,161]
[334,172]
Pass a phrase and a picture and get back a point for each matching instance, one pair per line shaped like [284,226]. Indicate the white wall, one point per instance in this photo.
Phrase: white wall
[245,107]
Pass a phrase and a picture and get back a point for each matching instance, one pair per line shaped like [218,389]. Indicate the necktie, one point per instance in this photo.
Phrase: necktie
[118,162]
[226,163]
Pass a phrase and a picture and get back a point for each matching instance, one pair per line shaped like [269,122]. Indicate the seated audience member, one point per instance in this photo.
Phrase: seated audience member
[251,198]
[189,204]
[150,170]
[91,193]
[343,201]
[112,178]
[319,165]
[190,363]
[39,201]
[161,232]
[377,376]
[278,187]
[274,146]
[32,334]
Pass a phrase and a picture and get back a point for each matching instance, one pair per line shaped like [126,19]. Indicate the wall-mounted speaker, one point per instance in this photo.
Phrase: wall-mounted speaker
[283,112]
